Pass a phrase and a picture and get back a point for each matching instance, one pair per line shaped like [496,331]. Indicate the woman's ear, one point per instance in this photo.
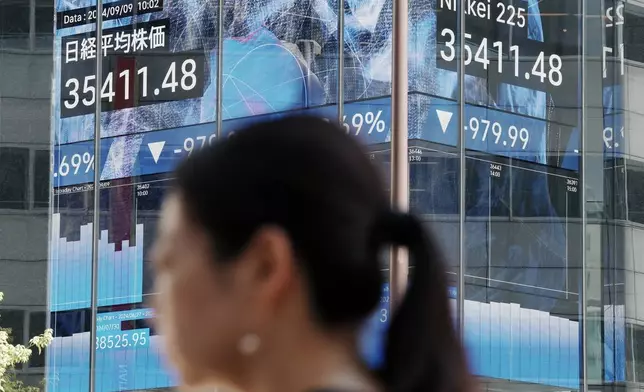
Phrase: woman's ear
[269,264]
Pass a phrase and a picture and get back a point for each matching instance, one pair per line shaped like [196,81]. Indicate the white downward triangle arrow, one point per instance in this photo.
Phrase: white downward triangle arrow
[444,118]
[155,149]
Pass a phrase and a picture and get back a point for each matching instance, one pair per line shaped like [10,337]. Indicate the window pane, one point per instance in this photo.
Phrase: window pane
[634,37]
[41,179]
[13,177]
[635,190]
[45,21]
[14,24]
[44,24]
[14,321]
[37,324]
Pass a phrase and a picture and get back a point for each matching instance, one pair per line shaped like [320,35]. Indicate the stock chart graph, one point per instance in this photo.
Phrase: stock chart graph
[121,271]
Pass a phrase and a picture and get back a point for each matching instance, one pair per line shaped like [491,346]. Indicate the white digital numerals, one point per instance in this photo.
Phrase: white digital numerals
[122,340]
[544,68]
[511,15]
[178,77]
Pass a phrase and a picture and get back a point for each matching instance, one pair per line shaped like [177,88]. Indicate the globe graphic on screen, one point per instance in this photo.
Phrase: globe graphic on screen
[261,75]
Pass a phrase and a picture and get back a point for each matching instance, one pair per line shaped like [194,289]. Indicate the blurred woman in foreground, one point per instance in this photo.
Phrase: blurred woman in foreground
[267,266]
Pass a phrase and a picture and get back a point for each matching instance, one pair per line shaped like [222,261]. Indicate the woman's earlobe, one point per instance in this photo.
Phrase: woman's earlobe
[249,344]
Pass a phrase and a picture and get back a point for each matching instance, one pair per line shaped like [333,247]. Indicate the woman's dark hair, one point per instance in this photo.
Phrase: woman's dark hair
[314,181]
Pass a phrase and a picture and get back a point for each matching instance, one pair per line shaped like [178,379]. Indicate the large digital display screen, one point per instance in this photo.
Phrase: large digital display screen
[158,97]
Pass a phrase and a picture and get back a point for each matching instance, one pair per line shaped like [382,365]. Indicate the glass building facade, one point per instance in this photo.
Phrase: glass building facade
[522,154]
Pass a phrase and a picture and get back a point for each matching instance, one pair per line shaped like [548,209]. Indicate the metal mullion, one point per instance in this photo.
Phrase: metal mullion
[97,194]
[340,94]
[220,69]
[462,172]
[584,218]
[399,262]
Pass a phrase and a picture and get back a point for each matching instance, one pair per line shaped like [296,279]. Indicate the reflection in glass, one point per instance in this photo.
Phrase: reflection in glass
[522,240]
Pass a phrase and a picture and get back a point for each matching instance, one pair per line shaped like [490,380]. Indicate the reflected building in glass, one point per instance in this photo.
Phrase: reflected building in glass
[525,166]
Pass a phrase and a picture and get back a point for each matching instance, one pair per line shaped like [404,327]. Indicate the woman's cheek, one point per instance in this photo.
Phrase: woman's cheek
[163,302]
[165,316]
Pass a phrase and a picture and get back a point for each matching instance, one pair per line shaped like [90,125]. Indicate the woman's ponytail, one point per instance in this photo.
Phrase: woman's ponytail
[423,351]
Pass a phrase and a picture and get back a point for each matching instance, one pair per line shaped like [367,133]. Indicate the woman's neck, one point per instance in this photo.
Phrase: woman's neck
[307,363]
